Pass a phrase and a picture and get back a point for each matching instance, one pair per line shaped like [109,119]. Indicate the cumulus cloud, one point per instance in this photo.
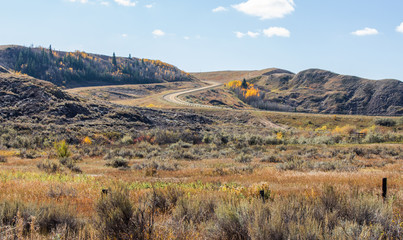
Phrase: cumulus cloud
[105,3]
[249,33]
[220,9]
[126,3]
[124,35]
[253,34]
[365,32]
[158,33]
[276,31]
[266,9]
[149,6]
[400,28]
[79,1]
[239,34]
[186,37]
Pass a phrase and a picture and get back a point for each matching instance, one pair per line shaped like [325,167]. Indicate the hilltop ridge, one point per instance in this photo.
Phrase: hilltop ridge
[78,69]
[318,91]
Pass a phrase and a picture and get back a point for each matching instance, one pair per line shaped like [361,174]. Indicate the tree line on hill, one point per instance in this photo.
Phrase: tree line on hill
[71,69]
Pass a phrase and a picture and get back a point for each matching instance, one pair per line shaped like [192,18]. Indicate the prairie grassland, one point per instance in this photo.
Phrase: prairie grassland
[318,182]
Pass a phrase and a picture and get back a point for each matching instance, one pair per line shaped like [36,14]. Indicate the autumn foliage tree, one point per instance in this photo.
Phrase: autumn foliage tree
[80,68]
[251,95]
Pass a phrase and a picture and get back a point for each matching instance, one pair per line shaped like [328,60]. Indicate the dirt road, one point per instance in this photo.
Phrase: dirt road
[173,97]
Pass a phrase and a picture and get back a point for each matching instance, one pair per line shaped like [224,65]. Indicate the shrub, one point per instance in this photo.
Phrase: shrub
[157,166]
[386,122]
[195,210]
[48,217]
[373,137]
[3,159]
[232,223]
[127,139]
[62,149]
[164,200]
[29,154]
[207,139]
[271,159]
[118,218]
[243,158]
[60,190]
[255,140]
[49,166]
[118,162]
[115,213]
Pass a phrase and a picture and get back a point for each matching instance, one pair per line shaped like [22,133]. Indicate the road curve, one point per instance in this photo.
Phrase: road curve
[173,97]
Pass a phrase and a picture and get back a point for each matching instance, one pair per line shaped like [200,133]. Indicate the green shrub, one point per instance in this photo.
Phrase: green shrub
[165,200]
[118,162]
[127,139]
[118,218]
[243,158]
[195,211]
[271,159]
[62,149]
[48,217]
[232,223]
[49,166]
[386,122]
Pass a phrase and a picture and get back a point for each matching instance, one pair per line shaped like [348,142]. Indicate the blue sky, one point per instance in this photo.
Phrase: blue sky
[355,37]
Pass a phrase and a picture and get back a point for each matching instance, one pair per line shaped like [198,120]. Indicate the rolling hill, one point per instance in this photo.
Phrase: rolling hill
[27,100]
[318,91]
[78,69]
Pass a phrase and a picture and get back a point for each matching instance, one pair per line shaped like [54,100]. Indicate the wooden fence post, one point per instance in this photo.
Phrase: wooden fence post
[262,195]
[384,187]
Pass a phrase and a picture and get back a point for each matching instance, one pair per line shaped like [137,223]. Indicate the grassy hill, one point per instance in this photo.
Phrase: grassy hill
[77,69]
[318,91]
[321,91]
[227,76]
[27,100]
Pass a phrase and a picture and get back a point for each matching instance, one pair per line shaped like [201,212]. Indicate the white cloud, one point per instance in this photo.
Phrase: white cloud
[186,38]
[253,34]
[126,3]
[365,32]
[105,3]
[249,33]
[124,35]
[220,9]
[240,35]
[158,33]
[400,28]
[276,31]
[266,9]
[80,1]
[149,6]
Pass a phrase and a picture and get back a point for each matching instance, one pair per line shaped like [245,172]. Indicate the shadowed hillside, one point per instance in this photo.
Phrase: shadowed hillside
[75,69]
[316,91]
[322,91]
[28,100]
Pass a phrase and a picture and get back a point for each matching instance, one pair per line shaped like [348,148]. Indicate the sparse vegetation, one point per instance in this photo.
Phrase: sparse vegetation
[236,175]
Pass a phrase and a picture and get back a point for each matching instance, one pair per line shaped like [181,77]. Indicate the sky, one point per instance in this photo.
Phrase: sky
[353,37]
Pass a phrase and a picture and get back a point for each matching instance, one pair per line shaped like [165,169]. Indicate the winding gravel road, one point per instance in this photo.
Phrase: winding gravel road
[173,97]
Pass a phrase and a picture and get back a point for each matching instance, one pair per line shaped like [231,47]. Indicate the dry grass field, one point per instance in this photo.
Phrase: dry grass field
[319,181]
